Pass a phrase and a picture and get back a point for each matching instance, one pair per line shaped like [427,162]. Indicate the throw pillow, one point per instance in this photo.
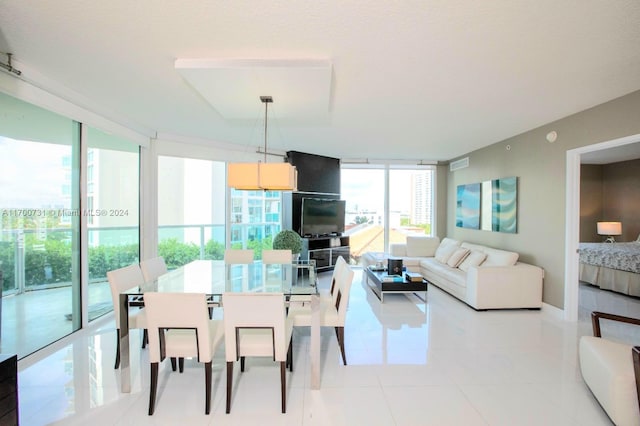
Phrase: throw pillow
[443,253]
[457,257]
[475,258]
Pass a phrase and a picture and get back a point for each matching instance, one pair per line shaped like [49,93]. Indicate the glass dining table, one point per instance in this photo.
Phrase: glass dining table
[214,278]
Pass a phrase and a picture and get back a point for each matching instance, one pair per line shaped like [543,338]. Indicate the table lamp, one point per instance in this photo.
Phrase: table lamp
[610,229]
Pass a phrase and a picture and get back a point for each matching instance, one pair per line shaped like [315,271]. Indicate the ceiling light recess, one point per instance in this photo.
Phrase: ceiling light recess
[302,86]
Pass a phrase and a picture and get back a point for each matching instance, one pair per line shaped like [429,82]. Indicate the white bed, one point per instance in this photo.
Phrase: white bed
[611,266]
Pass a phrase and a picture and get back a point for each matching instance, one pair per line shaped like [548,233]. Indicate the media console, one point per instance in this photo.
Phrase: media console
[325,250]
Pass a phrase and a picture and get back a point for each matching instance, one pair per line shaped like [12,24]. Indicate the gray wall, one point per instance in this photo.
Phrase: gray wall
[610,192]
[540,168]
[621,197]
[590,202]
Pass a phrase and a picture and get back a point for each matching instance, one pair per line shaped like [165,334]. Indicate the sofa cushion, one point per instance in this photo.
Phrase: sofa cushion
[398,249]
[446,249]
[434,270]
[495,257]
[474,258]
[458,256]
[411,263]
[421,246]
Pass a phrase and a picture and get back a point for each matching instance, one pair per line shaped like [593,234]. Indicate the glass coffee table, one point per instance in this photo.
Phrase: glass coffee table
[379,287]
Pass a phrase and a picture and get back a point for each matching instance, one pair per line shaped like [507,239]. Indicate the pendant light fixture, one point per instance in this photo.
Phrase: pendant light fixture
[262,175]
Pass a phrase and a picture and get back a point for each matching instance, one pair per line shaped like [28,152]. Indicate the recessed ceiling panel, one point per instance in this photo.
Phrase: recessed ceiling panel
[300,87]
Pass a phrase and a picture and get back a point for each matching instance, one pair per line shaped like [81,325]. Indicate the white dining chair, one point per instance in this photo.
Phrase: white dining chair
[179,327]
[121,280]
[339,266]
[240,256]
[255,325]
[153,268]
[331,314]
[276,257]
[326,298]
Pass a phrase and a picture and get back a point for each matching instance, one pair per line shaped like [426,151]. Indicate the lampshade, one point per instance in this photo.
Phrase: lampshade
[262,176]
[609,228]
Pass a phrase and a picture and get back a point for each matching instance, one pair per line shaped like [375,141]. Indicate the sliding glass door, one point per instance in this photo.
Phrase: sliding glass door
[39,226]
[113,177]
[385,203]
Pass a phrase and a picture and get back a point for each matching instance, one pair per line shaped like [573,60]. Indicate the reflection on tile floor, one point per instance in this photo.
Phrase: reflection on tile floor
[410,363]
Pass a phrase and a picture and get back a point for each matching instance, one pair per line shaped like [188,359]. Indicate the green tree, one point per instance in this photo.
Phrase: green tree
[176,254]
[214,250]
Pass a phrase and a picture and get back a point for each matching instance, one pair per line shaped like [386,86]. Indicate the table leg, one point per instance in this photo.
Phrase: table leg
[314,349]
[125,370]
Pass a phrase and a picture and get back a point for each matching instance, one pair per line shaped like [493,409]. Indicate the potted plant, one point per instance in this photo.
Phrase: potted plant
[288,239]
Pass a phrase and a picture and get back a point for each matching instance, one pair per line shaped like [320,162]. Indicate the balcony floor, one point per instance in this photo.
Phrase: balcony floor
[36,318]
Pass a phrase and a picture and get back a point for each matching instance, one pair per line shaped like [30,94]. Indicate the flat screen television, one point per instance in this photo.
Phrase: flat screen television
[322,216]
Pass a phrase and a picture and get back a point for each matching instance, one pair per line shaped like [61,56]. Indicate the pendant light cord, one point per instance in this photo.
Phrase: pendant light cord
[266,100]
[266,107]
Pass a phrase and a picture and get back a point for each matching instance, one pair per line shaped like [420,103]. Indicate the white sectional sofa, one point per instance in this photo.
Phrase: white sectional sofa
[482,277]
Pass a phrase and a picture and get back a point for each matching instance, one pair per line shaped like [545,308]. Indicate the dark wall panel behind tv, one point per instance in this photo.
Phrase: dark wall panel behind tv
[316,173]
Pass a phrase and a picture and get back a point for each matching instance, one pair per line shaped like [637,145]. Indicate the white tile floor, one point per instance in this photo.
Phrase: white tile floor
[410,363]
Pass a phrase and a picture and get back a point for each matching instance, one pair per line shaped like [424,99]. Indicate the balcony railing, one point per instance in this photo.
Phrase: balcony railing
[34,259]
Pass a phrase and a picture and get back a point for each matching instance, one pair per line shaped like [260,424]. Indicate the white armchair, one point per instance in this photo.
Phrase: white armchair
[611,370]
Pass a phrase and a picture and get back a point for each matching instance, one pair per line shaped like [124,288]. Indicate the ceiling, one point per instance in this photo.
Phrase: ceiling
[429,80]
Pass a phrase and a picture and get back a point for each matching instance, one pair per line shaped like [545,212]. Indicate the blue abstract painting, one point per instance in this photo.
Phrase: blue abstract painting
[468,206]
[504,202]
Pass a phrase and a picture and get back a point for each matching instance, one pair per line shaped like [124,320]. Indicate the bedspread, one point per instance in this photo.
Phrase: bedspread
[620,256]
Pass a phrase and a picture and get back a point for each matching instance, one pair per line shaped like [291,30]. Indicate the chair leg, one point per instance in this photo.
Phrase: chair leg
[242,364]
[283,386]
[229,383]
[153,387]
[207,387]
[340,334]
[181,364]
[173,364]
[117,349]
[636,368]
[145,338]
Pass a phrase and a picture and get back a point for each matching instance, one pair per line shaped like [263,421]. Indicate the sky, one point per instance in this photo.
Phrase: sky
[31,174]
[364,188]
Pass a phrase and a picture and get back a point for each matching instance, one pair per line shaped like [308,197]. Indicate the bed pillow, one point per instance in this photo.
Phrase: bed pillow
[474,258]
[457,257]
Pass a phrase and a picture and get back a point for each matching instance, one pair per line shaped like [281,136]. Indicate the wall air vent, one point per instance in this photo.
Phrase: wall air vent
[459,164]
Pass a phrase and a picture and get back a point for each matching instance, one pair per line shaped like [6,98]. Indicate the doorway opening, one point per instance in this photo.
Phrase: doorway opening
[572,219]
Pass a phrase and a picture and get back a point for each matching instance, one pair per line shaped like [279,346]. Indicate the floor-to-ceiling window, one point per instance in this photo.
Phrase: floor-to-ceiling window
[255,219]
[384,204]
[191,209]
[39,226]
[112,212]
